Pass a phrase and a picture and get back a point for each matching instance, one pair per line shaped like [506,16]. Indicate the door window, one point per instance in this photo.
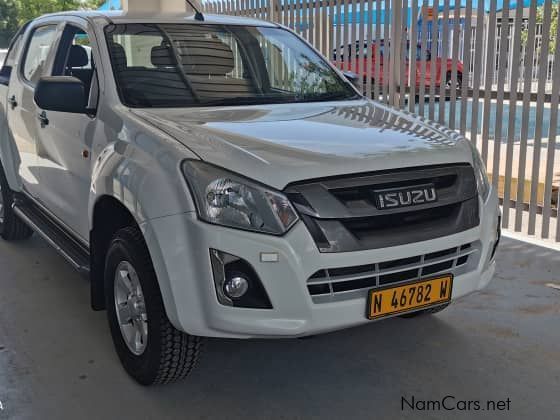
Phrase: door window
[74,58]
[12,54]
[10,60]
[38,52]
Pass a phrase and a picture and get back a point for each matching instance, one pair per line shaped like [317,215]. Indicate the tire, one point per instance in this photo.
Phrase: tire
[12,228]
[429,311]
[165,354]
[448,80]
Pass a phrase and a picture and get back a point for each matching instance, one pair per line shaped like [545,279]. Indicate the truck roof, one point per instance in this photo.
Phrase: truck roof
[144,17]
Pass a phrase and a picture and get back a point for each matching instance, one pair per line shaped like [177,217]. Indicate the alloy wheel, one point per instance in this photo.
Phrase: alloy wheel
[130,307]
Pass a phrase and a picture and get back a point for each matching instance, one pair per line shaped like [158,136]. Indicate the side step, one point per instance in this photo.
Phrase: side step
[56,235]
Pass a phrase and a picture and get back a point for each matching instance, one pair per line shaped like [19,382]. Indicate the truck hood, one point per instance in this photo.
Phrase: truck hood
[281,144]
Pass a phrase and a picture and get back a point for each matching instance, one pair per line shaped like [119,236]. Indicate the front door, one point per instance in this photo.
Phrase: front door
[65,139]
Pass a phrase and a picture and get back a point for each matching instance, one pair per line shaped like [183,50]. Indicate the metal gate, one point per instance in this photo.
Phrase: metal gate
[489,69]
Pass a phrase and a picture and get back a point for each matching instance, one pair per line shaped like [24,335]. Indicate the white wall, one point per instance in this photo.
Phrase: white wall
[170,6]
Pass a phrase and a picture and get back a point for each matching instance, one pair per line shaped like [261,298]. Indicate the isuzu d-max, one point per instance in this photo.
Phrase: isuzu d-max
[217,177]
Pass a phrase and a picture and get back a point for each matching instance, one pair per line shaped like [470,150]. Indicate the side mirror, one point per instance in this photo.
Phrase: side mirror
[61,94]
[352,77]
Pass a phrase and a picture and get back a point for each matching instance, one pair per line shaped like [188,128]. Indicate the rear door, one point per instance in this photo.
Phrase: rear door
[8,151]
[21,109]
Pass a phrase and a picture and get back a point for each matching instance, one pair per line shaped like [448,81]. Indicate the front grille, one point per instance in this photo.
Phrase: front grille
[343,283]
[342,214]
[391,223]
[355,196]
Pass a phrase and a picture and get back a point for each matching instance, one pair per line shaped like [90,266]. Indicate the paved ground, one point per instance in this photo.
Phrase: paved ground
[57,361]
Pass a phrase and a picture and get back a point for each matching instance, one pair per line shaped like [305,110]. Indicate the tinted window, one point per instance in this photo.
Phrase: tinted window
[174,65]
[37,52]
[7,62]
[12,54]
[74,58]
[80,42]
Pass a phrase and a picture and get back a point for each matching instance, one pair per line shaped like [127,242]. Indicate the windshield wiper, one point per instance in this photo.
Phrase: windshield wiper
[335,96]
[278,99]
[248,100]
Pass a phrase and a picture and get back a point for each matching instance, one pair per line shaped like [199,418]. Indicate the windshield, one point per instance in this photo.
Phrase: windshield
[182,65]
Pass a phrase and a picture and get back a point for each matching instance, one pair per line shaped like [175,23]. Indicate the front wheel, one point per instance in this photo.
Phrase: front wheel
[150,348]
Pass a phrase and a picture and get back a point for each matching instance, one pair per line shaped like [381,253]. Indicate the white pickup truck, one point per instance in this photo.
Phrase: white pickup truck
[217,177]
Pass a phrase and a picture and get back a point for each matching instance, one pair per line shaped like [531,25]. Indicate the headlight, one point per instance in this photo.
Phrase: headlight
[230,200]
[480,173]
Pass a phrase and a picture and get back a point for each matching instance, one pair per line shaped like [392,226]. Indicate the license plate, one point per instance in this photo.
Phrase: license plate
[409,297]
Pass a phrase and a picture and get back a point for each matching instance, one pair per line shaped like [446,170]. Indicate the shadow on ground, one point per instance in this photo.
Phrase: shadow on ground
[57,361]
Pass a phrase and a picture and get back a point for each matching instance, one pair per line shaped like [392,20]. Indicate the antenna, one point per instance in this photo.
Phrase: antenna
[198,14]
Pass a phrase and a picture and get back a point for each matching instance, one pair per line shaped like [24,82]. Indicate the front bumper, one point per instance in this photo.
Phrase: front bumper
[180,245]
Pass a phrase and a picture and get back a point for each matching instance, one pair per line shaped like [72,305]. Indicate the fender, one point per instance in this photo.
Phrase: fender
[140,170]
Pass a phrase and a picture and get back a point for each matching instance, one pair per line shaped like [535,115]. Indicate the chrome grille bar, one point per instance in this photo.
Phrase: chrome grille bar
[377,273]
[331,288]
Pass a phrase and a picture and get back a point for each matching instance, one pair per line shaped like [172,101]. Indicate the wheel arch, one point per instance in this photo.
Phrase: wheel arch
[135,178]
[108,216]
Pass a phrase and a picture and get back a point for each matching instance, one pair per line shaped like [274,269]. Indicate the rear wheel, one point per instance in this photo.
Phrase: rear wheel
[449,81]
[12,228]
[150,348]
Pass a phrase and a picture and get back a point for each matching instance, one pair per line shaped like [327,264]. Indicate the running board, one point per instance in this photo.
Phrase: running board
[56,235]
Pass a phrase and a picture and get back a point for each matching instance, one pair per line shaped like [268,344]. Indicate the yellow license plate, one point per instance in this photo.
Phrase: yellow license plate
[409,297]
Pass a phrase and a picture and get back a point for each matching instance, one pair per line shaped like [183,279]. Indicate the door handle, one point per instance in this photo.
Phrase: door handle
[13,102]
[43,118]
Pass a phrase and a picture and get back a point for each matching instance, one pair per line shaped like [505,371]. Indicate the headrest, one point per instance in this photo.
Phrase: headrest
[199,55]
[161,56]
[78,57]
[119,55]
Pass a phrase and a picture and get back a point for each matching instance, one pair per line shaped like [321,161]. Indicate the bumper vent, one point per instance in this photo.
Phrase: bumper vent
[334,284]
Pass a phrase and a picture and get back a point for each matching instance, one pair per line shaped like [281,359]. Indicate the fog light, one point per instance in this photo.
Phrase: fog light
[237,283]
[236,287]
